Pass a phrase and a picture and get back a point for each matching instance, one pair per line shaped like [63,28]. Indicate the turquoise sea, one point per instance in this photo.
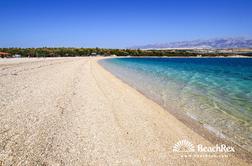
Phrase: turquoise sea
[217,92]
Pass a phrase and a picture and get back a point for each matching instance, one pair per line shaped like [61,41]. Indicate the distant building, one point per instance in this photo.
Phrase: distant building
[16,56]
[4,54]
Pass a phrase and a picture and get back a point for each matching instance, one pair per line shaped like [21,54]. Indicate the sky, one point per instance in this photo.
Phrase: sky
[120,23]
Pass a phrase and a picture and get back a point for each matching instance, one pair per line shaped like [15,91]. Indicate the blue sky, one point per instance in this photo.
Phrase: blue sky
[120,23]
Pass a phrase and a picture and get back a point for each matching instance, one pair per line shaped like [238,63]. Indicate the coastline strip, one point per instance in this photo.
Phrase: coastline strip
[77,113]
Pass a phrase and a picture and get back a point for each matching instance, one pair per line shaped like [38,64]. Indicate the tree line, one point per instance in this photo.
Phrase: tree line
[70,52]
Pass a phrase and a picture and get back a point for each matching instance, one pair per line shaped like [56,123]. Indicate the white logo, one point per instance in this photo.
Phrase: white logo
[183,146]
[187,146]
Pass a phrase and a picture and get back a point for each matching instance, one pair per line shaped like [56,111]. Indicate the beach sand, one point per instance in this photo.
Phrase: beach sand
[71,111]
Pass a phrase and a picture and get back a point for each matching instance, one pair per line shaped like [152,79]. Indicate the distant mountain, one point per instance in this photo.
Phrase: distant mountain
[212,43]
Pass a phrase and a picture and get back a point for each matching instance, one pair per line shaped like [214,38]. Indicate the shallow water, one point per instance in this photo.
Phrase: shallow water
[217,92]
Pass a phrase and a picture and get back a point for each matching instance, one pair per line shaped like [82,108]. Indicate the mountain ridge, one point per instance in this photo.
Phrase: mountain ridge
[217,43]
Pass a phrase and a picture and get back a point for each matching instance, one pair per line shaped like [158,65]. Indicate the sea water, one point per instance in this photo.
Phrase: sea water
[216,92]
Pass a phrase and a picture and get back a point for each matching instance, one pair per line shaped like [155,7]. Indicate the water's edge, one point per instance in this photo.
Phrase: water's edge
[208,132]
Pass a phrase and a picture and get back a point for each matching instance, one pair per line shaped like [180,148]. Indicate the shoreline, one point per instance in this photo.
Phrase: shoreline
[71,111]
[231,56]
[193,124]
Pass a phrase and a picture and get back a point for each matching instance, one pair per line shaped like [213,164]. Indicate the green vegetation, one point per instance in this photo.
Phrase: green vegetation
[65,52]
